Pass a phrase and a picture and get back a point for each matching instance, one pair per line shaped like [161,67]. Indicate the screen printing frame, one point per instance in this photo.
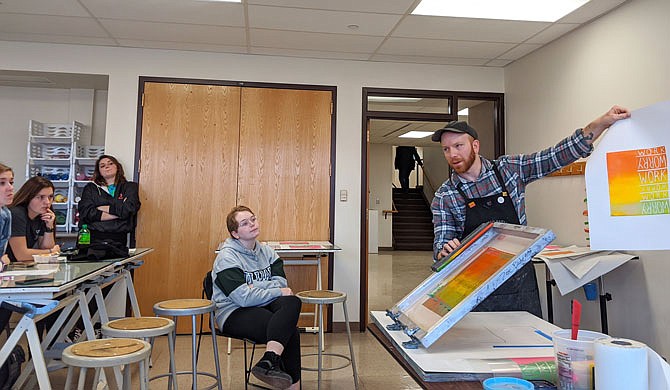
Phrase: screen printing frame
[510,246]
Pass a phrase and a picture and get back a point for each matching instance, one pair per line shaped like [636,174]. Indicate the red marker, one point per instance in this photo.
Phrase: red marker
[576,317]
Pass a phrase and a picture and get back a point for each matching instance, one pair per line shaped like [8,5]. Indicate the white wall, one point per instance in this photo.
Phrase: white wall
[124,66]
[379,182]
[18,105]
[622,58]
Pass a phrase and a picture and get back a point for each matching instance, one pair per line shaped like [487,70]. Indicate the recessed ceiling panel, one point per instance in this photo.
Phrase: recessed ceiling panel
[467,29]
[519,51]
[553,32]
[313,41]
[45,24]
[167,32]
[308,53]
[429,60]
[443,48]
[41,7]
[378,6]
[337,22]
[189,46]
[175,11]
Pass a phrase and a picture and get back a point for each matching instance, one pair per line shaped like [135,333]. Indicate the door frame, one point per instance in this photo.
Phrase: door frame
[452,96]
[142,80]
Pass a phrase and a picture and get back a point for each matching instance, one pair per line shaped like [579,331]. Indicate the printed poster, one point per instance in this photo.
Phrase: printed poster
[627,183]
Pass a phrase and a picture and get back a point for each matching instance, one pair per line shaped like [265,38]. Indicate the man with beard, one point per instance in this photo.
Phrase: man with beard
[481,190]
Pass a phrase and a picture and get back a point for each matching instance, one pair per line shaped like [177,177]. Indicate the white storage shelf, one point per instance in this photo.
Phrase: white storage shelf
[55,153]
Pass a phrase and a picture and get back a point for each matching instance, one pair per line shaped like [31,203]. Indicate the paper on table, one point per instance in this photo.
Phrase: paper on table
[39,270]
[567,281]
[556,252]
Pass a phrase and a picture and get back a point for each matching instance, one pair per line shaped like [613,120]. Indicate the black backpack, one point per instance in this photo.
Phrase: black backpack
[11,369]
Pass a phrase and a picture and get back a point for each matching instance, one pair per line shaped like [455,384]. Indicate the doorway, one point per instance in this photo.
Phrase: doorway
[393,118]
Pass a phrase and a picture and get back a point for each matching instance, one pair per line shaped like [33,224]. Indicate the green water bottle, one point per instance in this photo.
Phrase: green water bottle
[84,237]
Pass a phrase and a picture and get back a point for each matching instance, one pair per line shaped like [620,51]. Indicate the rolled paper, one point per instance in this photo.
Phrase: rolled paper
[621,364]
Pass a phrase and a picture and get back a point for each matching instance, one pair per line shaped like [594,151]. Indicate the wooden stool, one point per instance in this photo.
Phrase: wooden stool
[107,353]
[193,307]
[145,328]
[328,297]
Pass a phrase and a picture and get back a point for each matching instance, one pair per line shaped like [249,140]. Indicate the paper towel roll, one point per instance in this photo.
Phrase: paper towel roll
[621,364]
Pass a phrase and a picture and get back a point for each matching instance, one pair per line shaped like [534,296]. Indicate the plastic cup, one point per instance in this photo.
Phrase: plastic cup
[591,291]
[505,383]
[574,358]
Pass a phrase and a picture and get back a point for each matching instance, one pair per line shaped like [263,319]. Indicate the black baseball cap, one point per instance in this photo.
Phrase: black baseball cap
[454,127]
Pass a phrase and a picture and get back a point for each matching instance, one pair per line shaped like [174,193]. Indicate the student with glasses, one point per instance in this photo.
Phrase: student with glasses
[253,300]
[33,221]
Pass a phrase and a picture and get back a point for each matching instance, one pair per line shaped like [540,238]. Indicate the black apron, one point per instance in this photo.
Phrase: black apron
[520,292]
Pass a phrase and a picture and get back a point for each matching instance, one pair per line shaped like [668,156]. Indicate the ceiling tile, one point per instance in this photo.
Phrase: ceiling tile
[467,29]
[177,11]
[553,32]
[498,63]
[308,53]
[429,60]
[41,7]
[590,10]
[45,24]
[378,6]
[189,46]
[443,48]
[51,38]
[297,19]
[171,32]
[519,51]
[313,41]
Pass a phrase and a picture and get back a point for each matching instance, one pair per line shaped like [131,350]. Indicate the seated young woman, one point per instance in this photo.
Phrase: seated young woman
[33,227]
[33,221]
[253,300]
[109,204]
[6,197]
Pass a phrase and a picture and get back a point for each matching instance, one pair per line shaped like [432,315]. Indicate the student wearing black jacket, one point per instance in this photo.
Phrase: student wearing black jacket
[109,204]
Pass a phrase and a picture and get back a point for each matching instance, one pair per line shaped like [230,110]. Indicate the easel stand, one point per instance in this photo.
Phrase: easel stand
[604,297]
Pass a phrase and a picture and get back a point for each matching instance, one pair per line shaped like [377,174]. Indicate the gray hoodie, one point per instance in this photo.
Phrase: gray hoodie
[245,278]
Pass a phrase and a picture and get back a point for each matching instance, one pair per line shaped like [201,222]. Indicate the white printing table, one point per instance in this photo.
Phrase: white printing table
[74,283]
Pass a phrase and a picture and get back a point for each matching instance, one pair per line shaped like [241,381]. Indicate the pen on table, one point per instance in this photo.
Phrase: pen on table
[546,336]
[524,346]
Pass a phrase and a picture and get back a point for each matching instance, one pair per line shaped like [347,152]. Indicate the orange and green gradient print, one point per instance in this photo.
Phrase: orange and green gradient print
[638,182]
[447,296]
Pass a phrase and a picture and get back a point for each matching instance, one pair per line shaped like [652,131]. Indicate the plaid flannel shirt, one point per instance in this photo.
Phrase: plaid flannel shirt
[448,206]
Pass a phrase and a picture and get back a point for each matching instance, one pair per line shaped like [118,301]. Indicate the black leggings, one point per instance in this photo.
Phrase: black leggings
[276,321]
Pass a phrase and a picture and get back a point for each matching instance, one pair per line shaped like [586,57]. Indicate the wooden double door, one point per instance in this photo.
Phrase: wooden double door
[205,149]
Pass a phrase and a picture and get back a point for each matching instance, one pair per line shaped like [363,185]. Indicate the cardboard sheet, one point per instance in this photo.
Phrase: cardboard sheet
[570,273]
[476,339]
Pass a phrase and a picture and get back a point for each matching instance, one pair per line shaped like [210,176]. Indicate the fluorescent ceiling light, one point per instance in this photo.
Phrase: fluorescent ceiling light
[392,99]
[464,112]
[416,134]
[529,10]
[222,1]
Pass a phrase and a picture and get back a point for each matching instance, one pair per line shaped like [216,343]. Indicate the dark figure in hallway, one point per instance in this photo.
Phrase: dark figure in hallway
[404,163]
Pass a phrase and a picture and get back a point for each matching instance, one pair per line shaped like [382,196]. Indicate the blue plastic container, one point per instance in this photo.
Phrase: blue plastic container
[504,383]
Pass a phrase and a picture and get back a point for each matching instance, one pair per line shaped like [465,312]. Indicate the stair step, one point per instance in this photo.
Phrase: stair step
[413,224]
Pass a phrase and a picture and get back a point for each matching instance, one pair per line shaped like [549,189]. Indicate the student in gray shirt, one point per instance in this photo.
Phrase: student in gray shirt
[253,300]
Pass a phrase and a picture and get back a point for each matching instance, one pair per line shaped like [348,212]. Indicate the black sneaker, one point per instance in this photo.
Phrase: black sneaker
[270,370]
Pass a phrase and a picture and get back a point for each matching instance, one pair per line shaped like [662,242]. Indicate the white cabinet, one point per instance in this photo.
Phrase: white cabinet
[58,153]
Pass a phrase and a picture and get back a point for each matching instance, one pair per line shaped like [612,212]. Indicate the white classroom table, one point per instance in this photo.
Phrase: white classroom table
[74,283]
